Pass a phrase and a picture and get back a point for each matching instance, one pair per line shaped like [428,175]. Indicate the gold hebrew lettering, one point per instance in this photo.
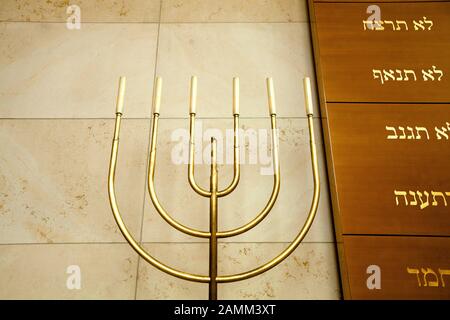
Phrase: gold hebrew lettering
[400,193]
[443,272]
[403,136]
[400,75]
[413,203]
[439,194]
[426,272]
[437,71]
[429,22]
[388,74]
[427,75]
[369,24]
[378,75]
[416,272]
[418,25]
[391,23]
[422,129]
[407,71]
[378,25]
[440,133]
[394,136]
[425,204]
[398,22]
[412,133]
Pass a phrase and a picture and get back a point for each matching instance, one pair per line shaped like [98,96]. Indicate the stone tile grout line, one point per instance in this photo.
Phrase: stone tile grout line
[155,242]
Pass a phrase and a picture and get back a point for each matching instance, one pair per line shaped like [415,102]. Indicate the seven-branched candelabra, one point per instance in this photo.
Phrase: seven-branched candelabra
[213,193]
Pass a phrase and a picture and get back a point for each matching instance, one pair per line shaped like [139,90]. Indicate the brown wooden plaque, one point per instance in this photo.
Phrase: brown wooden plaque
[391,168]
[401,56]
[372,2]
[409,267]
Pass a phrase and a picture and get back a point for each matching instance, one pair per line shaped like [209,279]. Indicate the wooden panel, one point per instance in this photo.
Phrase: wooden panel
[372,172]
[378,1]
[428,256]
[349,54]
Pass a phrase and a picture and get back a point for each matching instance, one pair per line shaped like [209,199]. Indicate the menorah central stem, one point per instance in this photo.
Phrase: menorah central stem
[213,223]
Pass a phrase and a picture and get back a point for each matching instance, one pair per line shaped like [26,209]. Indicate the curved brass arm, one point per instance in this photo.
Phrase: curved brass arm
[134,244]
[199,190]
[236,153]
[220,234]
[236,163]
[191,165]
[205,279]
[192,108]
[275,190]
[312,213]
[151,188]
[151,170]
[191,176]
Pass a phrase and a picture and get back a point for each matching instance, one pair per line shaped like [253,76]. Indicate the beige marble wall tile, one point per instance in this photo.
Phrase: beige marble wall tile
[108,271]
[91,10]
[218,52]
[48,71]
[309,273]
[253,191]
[53,180]
[234,11]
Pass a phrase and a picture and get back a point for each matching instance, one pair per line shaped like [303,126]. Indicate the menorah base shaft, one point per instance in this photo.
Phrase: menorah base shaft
[213,224]
[213,248]
[212,290]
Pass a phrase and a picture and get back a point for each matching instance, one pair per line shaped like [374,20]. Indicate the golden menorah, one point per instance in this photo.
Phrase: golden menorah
[213,193]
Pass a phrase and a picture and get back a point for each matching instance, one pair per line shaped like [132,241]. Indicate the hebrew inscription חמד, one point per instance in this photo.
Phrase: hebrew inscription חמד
[428,276]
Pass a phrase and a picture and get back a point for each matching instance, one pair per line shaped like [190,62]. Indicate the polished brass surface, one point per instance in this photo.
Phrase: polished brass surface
[213,193]
[115,209]
[213,223]
[301,235]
